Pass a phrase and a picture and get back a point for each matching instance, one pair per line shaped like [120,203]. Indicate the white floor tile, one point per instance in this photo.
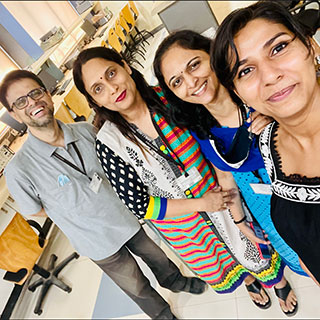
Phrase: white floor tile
[308,299]
[215,310]
[135,316]
[309,303]
[295,280]
[182,299]
[81,274]
[298,281]
[248,310]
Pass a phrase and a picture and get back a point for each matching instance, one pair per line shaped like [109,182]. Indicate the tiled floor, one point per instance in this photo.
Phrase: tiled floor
[85,278]
[238,305]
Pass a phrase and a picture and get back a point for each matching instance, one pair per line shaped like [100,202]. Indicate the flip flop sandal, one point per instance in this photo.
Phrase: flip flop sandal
[255,287]
[283,295]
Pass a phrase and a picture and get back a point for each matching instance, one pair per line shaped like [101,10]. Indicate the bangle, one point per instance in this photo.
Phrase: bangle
[241,220]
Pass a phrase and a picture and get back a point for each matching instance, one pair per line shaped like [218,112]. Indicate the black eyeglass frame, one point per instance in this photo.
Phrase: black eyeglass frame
[28,95]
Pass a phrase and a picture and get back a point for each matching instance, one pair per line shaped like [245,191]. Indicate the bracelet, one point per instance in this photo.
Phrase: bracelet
[241,220]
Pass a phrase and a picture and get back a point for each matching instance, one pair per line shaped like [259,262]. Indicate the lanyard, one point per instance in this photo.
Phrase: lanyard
[72,165]
[159,152]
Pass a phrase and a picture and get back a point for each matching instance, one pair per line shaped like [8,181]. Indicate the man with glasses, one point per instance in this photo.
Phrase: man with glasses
[56,172]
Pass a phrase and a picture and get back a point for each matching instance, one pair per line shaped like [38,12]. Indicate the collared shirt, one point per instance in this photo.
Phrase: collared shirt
[97,225]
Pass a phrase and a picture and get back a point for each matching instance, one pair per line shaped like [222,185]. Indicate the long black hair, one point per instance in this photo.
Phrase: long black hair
[185,114]
[224,51]
[103,113]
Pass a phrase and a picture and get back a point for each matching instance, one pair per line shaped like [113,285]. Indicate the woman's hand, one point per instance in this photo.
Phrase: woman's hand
[217,200]
[258,122]
[249,233]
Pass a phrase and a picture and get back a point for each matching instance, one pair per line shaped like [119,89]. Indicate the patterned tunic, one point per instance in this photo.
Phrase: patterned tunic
[258,204]
[143,180]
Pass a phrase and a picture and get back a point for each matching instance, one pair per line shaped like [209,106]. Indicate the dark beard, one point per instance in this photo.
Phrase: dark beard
[44,124]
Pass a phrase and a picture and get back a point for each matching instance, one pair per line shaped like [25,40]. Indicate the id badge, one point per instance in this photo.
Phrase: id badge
[261,188]
[95,183]
[193,177]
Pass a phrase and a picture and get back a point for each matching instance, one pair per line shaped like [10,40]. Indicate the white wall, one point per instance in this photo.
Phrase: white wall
[38,17]
[147,20]
[222,8]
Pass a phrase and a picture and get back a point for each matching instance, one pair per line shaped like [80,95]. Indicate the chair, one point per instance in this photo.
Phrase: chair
[104,44]
[122,36]
[124,23]
[128,28]
[136,13]
[77,103]
[129,18]
[134,10]
[63,114]
[20,249]
[114,42]
[131,7]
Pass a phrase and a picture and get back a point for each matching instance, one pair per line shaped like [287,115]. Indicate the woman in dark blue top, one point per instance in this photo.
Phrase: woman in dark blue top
[222,126]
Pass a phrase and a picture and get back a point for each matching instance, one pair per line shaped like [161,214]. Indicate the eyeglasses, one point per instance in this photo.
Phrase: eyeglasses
[23,101]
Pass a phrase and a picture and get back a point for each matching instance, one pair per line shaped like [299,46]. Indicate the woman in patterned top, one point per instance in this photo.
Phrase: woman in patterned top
[157,169]
[264,56]
[221,125]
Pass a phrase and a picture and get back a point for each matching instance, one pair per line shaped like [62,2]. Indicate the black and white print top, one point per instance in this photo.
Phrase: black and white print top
[293,187]
[124,180]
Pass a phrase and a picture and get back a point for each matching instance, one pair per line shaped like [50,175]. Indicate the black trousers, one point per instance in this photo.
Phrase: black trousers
[123,269]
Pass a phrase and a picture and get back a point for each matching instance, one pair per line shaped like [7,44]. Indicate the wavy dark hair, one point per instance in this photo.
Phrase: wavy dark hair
[103,113]
[224,51]
[185,114]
